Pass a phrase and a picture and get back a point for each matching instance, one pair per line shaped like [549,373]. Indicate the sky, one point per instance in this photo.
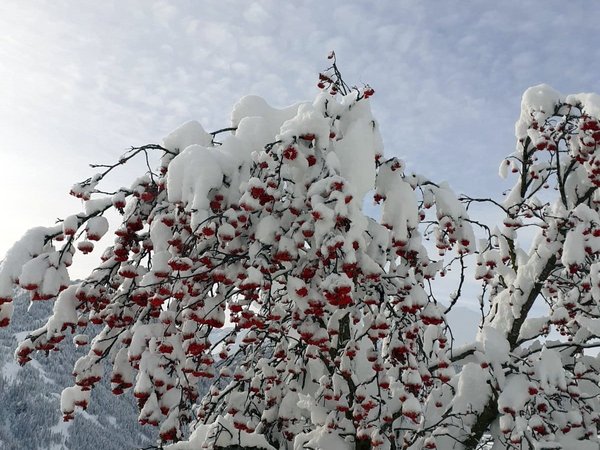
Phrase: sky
[82,81]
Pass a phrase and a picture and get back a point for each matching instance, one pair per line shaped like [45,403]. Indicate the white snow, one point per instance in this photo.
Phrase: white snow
[321,439]
[538,102]
[550,371]
[96,227]
[190,133]
[590,103]
[514,395]
[30,245]
[203,433]
[356,153]
[472,392]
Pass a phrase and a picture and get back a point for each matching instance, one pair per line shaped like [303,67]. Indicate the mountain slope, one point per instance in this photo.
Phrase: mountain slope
[30,416]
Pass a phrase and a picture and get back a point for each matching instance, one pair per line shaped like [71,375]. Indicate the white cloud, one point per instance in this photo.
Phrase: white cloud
[82,82]
[164,12]
[256,14]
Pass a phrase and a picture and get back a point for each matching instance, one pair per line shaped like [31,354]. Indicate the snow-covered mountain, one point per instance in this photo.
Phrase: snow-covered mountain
[30,415]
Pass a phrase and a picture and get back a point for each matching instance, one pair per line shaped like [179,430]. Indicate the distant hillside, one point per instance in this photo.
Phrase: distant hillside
[30,417]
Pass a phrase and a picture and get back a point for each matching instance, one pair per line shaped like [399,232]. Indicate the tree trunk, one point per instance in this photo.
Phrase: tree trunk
[490,412]
[484,420]
[364,444]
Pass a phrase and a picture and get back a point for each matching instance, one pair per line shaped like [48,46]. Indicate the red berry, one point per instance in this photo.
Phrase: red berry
[290,153]
[147,196]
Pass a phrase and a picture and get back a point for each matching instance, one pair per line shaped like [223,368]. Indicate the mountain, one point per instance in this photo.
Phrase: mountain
[30,416]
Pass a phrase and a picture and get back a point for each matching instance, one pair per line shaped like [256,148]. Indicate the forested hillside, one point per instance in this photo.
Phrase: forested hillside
[30,417]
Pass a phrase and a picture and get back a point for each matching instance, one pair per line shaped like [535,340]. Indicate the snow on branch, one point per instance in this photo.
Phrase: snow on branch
[249,262]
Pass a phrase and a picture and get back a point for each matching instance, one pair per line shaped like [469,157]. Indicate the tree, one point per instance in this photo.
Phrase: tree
[332,333]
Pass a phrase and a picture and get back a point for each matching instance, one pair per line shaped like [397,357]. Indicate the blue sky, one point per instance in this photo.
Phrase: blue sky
[81,81]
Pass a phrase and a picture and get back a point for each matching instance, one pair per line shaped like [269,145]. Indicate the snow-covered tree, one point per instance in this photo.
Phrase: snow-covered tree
[333,335]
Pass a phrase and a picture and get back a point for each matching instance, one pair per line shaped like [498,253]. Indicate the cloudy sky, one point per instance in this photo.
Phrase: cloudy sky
[81,81]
